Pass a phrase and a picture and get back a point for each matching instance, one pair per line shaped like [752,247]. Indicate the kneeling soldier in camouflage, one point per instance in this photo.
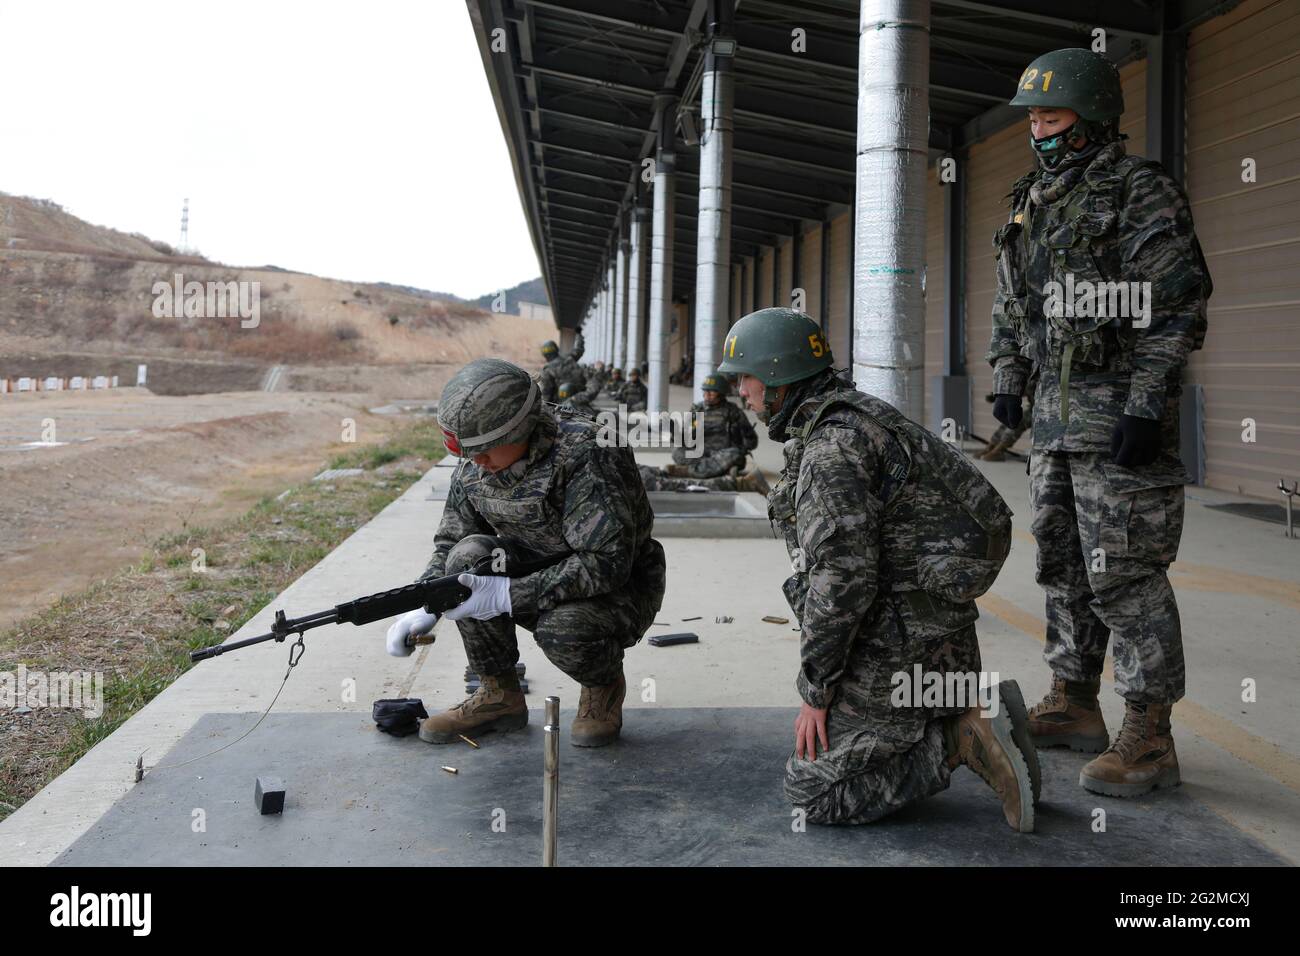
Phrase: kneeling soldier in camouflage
[537,478]
[574,398]
[893,534]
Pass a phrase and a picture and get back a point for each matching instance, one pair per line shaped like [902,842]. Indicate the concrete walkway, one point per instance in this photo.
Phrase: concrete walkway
[1238,584]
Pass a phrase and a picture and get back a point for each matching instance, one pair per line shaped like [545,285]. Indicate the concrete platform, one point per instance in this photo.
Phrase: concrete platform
[1238,585]
[684,787]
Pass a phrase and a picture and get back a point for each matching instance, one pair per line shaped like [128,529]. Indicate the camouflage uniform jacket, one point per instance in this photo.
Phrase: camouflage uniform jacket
[568,493]
[1118,219]
[856,521]
[724,426]
[634,395]
[558,371]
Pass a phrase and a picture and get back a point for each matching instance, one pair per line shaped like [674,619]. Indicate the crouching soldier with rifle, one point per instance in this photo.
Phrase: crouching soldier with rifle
[892,535]
[537,478]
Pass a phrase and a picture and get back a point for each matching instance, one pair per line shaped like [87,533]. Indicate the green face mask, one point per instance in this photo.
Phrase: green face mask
[1050,148]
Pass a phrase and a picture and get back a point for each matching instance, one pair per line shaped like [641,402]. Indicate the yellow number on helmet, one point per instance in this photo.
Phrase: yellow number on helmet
[815,341]
[1030,76]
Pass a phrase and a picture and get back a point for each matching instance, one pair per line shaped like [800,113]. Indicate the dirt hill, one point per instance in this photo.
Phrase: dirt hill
[72,292]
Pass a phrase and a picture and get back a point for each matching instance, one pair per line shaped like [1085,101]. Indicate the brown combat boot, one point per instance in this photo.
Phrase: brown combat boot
[996,452]
[677,471]
[988,746]
[600,714]
[1069,716]
[753,481]
[498,704]
[1141,759]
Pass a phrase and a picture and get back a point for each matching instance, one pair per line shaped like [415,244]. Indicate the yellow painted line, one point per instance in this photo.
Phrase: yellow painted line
[1262,754]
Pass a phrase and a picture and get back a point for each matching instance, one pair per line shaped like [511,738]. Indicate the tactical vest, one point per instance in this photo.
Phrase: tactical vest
[946,531]
[1078,234]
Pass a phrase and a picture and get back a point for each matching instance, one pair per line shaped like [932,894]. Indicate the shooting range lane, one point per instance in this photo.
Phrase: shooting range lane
[684,786]
[1240,600]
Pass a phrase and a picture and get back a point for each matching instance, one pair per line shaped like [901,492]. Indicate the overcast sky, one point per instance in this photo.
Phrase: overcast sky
[354,140]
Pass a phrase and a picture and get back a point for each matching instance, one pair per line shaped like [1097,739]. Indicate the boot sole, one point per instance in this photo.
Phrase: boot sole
[1166,779]
[602,741]
[503,724]
[1014,702]
[1081,743]
[1004,731]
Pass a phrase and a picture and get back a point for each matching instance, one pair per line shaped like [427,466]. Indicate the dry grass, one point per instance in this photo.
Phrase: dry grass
[138,627]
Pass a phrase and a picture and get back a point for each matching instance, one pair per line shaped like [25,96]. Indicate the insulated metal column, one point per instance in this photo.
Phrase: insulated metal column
[889,217]
[609,312]
[713,253]
[620,303]
[661,257]
[636,288]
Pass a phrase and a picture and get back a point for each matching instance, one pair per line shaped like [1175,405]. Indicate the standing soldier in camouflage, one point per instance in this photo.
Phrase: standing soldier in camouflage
[725,438]
[537,478]
[634,394]
[892,535]
[1106,481]
[560,368]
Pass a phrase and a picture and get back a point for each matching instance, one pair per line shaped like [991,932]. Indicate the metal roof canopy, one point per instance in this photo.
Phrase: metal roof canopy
[575,84]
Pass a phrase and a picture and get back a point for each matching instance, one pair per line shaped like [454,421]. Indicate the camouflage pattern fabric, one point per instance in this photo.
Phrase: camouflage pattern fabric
[1116,218]
[634,395]
[726,436]
[1119,219]
[580,404]
[1106,537]
[597,378]
[854,529]
[892,777]
[568,493]
[656,480]
[563,368]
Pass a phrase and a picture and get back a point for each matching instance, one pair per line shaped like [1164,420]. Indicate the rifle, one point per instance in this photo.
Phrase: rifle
[435,595]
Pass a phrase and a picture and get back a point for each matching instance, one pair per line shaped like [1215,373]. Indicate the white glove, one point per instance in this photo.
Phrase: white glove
[490,598]
[410,624]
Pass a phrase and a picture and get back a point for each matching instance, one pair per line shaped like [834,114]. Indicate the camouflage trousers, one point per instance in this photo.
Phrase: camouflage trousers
[893,776]
[585,639]
[711,464]
[1106,537]
[656,480]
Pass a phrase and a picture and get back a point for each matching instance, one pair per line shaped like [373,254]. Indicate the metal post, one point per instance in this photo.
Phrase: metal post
[661,258]
[636,289]
[550,780]
[713,252]
[620,301]
[889,235]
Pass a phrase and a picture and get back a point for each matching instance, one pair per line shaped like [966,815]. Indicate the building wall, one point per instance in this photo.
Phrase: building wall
[1243,101]
[836,320]
[935,282]
[786,282]
[811,267]
[766,263]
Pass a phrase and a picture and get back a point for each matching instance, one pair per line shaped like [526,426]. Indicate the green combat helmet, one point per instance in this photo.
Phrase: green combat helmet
[776,346]
[1073,79]
[550,349]
[567,390]
[715,383]
[487,404]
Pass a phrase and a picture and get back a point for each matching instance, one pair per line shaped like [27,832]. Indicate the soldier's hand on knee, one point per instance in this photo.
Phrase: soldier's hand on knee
[489,597]
[809,728]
